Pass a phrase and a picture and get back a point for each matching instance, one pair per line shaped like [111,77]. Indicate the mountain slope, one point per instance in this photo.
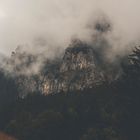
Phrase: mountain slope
[76,71]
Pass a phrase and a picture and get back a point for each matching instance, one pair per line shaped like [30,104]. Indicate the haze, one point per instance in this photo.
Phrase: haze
[46,24]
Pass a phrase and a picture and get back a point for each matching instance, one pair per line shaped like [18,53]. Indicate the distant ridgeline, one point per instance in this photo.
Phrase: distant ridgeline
[78,69]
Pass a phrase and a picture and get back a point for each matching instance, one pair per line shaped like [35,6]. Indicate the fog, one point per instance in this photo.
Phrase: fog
[49,25]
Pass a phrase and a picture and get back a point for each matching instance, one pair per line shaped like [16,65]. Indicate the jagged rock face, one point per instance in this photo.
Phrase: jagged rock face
[79,68]
[77,57]
[76,71]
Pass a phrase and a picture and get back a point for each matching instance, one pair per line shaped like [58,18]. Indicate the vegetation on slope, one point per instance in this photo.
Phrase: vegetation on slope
[108,112]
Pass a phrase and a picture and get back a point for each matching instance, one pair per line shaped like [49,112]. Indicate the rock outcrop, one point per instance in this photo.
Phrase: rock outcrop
[76,71]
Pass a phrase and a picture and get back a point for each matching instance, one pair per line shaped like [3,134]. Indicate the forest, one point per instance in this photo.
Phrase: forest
[106,112]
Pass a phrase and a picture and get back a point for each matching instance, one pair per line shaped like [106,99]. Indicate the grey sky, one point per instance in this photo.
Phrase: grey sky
[57,21]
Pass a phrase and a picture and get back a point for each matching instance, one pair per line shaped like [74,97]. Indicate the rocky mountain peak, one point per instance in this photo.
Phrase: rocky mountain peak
[78,56]
[77,70]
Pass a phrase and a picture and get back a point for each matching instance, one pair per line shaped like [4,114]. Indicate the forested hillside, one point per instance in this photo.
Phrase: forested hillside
[109,111]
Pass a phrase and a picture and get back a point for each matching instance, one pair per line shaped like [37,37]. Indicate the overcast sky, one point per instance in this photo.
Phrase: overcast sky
[25,22]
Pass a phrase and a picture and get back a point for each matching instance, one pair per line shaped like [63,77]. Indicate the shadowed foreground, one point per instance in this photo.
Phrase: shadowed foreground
[4,136]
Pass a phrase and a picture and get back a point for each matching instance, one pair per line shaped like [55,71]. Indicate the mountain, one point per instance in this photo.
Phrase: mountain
[78,69]
[107,112]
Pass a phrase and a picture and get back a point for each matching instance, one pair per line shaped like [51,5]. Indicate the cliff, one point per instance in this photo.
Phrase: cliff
[76,71]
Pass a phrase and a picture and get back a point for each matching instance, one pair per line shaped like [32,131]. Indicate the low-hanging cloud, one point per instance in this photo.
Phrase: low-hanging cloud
[47,26]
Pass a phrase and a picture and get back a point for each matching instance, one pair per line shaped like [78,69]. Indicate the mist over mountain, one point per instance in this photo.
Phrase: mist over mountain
[84,99]
[83,64]
[69,70]
[46,26]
